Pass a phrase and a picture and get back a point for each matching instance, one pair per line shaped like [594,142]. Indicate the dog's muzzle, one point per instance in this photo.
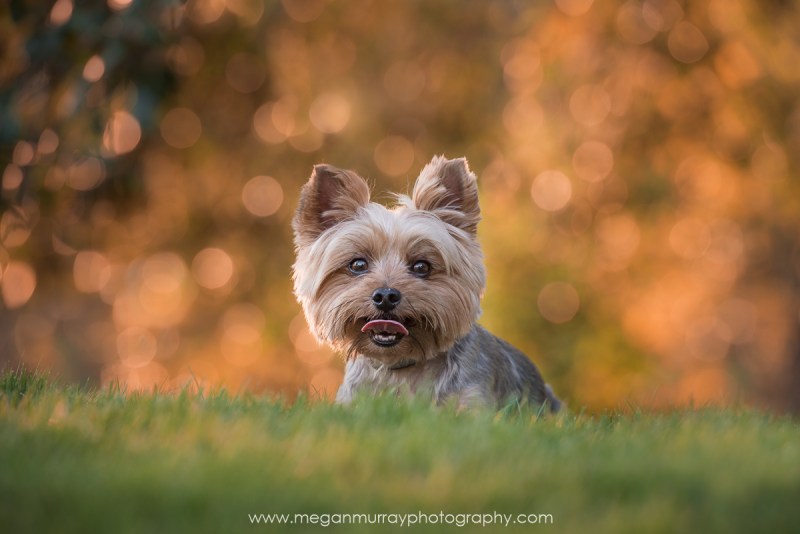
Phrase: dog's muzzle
[385,332]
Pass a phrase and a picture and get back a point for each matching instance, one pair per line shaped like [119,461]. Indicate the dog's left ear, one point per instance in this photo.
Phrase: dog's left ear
[449,189]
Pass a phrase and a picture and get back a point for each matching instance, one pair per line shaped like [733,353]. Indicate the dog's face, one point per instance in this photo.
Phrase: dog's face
[391,284]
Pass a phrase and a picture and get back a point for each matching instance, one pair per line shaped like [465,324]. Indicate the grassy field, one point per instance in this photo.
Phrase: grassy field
[79,460]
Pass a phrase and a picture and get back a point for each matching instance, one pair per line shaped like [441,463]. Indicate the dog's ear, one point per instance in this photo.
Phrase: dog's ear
[329,197]
[450,190]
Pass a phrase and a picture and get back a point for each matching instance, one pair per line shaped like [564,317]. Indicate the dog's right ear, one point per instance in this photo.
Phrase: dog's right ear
[329,197]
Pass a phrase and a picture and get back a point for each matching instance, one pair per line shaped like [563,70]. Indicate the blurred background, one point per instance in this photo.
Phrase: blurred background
[637,164]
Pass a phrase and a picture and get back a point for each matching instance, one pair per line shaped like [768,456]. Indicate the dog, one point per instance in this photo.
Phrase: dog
[398,290]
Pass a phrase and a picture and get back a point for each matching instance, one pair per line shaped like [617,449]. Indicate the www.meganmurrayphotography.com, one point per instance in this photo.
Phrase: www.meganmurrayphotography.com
[403,520]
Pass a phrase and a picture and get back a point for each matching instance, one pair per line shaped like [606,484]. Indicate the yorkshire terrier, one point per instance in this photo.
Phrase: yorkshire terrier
[398,290]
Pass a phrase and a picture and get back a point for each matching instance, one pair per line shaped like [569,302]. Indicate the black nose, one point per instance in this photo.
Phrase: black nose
[386,298]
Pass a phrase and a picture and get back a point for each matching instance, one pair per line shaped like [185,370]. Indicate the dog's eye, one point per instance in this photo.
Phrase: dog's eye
[358,266]
[421,268]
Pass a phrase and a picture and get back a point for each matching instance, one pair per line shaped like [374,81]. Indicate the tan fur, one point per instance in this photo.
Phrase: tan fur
[445,349]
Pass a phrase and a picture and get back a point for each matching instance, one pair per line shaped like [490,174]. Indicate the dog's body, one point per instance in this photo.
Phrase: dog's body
[398,290]
[479,369]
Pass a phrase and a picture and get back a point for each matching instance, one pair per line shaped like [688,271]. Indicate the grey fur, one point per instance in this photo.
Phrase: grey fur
[480,370]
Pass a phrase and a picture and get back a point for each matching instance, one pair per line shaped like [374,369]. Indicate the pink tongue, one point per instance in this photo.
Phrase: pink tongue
[381,325]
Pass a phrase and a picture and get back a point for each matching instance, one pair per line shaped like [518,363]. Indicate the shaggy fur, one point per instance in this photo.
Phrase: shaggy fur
[445,353]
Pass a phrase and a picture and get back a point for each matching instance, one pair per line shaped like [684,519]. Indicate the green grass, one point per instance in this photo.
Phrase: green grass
[80,460]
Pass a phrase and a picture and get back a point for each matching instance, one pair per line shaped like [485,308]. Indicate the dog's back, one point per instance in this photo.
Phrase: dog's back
[499,371]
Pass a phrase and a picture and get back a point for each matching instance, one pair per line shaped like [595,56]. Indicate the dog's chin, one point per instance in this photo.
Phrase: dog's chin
[376,347]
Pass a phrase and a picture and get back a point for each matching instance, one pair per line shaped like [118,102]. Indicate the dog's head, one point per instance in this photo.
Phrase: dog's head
[391,284]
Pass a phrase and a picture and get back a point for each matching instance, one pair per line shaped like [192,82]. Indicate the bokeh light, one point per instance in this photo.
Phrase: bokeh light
[86,174]
[61,12]
[618,236]
[631,25]
[662,15]
[15,229]
[274,122]
[690,238]
[248,12]
[636,165]
[590,104]
[119,4]
[136,346]
[523,116]
[687,43]
[18,284]
[394,155]
[522,66]
[593,161]
[212,268]
[330,113]
[91,271]
[94,69]
[245,73]
[181,127]
[205,11]
[551,190]
[23,154]
[156,292]
[122,133]
[241,334]
[262,195]
[574,8]
[558,302]
[48,142]
[12,177]
[186,57]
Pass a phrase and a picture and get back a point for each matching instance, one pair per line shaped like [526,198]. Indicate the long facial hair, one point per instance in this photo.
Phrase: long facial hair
[336,223]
